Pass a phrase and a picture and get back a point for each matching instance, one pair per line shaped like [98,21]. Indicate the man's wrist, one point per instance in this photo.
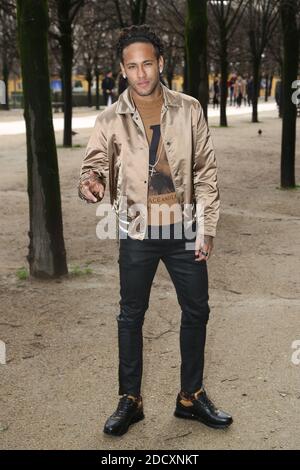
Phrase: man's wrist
[92,176]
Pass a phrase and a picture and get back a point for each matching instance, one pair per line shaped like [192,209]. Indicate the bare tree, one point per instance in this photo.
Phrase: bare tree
[226,15]
[263,16]
[64,13]
[8,44]
[8,6]
[47,256]
[275,46]
[196,50]
[137,10]
[171,17]
[173,56]
[93,41]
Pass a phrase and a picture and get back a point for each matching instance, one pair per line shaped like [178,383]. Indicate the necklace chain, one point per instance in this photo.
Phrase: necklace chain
[152,169]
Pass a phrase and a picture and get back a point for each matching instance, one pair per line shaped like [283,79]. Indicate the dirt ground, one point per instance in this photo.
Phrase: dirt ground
[60,381]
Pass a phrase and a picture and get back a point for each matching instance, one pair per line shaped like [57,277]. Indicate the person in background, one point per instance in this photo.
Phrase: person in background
[244,88]
[108,85]
[122,84]
[238,91]
[250,90]
[278,97]
[216,93]
[231,89]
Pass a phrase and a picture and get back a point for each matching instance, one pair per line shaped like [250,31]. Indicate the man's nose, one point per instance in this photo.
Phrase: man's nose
[141,72]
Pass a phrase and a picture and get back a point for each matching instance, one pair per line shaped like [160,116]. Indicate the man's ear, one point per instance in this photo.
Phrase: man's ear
[161,63]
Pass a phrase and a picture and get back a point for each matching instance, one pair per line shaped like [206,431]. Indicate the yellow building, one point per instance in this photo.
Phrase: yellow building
[81,85]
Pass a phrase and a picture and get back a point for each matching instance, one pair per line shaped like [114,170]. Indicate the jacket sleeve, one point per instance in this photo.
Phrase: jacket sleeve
[96,156]
[206,188]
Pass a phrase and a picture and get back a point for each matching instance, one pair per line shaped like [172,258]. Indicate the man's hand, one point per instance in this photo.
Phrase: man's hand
[207,247]
[91,189]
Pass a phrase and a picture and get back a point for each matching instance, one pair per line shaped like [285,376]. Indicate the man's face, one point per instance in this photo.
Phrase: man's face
[141,67]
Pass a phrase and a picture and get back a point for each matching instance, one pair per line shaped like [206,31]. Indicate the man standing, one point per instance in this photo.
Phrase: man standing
[107,86]
[156,148]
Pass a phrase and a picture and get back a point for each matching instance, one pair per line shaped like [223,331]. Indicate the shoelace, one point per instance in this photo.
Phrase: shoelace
[207,401]
[124,405]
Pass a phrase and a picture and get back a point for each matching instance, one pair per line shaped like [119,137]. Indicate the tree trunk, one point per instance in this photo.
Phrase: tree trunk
[67,59]
[256,88]
[47,255]
[97,89]
[67,62]
[281,97]
[170,75]
[5,73]
[89,79]
[270,86]
[290,69]
[138,11]
[224,79]
[196,47]
[61,75]
[267,88]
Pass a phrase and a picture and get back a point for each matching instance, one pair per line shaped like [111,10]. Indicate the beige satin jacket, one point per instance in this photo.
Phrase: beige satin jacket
[118,151]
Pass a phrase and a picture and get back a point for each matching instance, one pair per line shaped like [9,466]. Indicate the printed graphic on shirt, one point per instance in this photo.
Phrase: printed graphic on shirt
[161,190]
[163,207]
[160,180]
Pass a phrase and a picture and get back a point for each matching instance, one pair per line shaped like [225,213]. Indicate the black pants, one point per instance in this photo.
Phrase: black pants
[138,262]
[105,96]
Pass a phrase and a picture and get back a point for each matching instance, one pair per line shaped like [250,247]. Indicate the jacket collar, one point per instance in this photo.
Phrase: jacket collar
[126,105]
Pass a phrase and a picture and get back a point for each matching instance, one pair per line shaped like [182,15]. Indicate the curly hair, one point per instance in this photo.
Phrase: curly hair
[140,33]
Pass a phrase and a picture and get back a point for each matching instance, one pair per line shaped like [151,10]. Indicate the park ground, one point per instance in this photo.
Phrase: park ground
[59,383]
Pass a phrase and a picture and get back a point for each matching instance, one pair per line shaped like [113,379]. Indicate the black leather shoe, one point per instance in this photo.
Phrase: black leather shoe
[203,410]
[129,411]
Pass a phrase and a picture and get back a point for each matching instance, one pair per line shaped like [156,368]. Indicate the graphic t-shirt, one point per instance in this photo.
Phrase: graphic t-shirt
[161,191]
